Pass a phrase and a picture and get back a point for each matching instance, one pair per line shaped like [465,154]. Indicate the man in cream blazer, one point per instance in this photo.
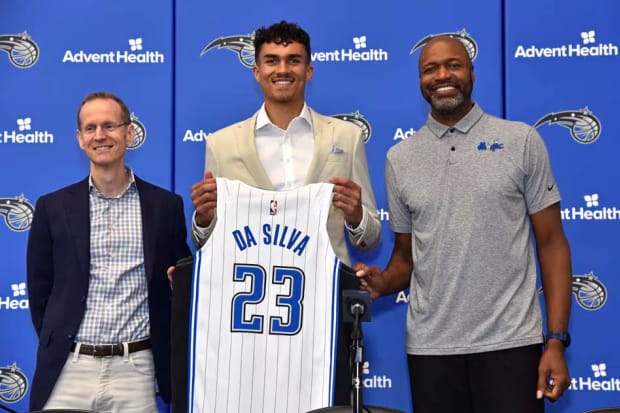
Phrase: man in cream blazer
[286,145]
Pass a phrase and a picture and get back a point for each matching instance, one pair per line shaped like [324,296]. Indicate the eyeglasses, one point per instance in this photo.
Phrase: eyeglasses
[107,127]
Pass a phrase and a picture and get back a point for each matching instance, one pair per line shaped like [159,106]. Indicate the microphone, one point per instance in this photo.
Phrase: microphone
[356,306]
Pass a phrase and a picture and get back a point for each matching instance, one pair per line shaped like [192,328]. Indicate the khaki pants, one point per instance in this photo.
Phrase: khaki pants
[117,384]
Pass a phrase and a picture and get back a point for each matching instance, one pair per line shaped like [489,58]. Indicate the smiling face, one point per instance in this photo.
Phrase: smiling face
[103,133]
[282,71]
[446,79]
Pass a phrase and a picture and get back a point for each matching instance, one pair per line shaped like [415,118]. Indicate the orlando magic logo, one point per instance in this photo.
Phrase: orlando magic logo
[22,50]
[13,384]
[589,291]
[358,119]
[17,213]
[583,125]
[140,132]
[243,45]
[470,44]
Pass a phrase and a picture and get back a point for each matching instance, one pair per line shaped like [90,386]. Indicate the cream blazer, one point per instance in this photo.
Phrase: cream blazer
[338,151]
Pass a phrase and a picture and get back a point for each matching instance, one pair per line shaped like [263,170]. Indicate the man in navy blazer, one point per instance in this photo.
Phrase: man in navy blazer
[97,256]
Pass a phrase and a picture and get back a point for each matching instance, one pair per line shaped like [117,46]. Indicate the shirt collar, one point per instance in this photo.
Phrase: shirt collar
[130,186]
[262,119]
[463,125]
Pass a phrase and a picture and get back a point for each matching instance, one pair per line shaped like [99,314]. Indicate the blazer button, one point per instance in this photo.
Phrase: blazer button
[70,336]
[82,298]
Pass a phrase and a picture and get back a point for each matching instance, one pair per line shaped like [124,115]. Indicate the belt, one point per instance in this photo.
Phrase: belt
[108,350]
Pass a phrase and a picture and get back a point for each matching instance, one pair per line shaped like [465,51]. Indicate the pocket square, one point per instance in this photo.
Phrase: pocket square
[336,149]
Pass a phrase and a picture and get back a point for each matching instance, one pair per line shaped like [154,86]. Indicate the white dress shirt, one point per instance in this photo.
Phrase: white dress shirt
[285,154]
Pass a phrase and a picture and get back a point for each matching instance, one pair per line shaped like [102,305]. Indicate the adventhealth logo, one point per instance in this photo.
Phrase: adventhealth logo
[600,380]
[195,136]
[18,289]
[358,53]
[17,300]
[374,381]
[134,54]
[25,134]
[587,47]
[599,370]
[403,133]
[135,44]
[593,211]
[402,297]
[360,42]
[588,37]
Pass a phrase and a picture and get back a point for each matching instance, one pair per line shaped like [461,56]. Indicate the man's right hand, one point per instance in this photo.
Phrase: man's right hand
[204,198]
[370,278]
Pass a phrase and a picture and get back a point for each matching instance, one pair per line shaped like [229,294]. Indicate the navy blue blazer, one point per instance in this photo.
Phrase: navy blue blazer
[58,262]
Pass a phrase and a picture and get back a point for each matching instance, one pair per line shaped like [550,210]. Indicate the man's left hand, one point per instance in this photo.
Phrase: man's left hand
[553,375]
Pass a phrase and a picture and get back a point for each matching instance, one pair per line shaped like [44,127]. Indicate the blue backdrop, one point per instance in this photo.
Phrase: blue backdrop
[183,69]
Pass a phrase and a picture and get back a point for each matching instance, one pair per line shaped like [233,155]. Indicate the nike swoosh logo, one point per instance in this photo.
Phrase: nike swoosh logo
[550,187]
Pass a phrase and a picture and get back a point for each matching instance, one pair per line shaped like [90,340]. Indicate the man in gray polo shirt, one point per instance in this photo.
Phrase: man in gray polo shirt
[466,194]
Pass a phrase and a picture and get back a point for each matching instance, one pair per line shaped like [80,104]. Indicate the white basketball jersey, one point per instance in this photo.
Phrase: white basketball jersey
[264,304]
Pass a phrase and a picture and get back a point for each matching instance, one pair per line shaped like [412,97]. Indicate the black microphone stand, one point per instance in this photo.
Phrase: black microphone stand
[355,310]
[357,350]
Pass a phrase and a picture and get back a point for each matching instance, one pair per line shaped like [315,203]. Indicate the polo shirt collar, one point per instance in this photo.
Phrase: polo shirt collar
[463,125]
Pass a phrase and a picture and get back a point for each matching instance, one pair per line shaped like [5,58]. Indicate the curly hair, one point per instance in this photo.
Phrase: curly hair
[281,33]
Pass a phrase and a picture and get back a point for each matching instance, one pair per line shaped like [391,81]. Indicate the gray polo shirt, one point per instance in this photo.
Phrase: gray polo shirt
[465,194]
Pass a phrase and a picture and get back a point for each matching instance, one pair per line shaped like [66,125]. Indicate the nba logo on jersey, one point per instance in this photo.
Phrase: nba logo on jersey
[273,207]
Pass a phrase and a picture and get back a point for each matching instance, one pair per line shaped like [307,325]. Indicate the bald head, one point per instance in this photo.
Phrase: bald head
[446,79]
[445,43]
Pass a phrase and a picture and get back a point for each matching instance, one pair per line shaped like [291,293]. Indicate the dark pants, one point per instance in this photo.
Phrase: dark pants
[492,382]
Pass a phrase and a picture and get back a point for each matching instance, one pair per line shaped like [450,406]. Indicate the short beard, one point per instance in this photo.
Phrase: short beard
[447,105]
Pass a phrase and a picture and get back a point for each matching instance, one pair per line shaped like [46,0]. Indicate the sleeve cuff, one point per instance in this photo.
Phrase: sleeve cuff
[359,230]
[201,233]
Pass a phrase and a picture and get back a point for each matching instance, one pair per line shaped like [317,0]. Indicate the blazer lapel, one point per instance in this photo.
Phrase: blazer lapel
[149,225]
[323,137]
[246,145]
[76,206]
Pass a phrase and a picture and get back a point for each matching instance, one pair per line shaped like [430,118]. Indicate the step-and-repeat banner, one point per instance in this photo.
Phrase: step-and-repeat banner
[557,57]
[184,69]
